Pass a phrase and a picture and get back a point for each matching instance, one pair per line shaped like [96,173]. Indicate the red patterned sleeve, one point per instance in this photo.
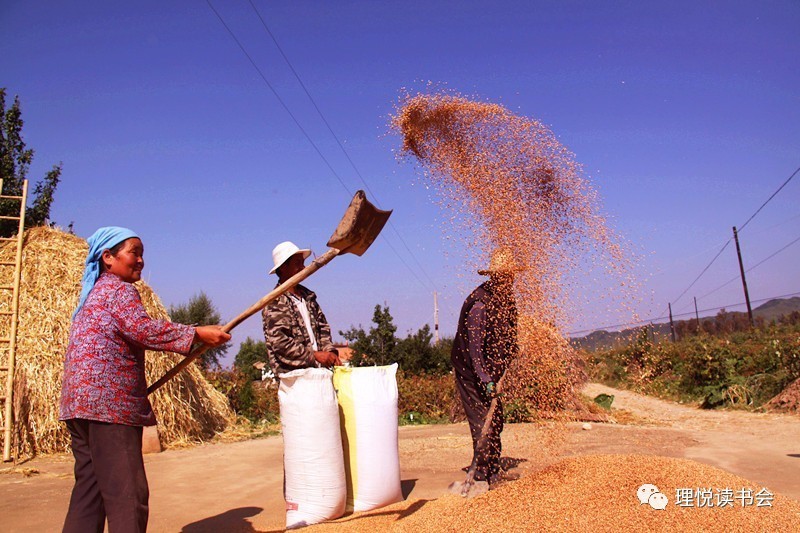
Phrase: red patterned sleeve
[136,326]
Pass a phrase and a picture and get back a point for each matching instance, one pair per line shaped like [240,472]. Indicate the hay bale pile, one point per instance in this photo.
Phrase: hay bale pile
[187,408]
[589,493]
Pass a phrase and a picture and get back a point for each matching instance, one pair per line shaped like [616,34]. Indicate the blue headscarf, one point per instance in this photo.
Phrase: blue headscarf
[102,239]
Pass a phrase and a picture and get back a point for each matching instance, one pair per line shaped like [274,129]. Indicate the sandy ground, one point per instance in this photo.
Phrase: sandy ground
[238,486]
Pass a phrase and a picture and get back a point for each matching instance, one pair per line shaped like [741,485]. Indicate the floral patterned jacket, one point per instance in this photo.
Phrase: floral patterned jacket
[104,366]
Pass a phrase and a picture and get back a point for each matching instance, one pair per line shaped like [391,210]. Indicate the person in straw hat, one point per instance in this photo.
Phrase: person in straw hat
[485,340]
[104,393]
[296,331]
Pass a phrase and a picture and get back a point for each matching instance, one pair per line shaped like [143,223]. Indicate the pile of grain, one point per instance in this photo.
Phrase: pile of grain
[590,493]
[187,408]
[788,401]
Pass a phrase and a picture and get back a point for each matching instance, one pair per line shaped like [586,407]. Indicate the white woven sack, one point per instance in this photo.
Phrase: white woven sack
[315,484]
[368,406]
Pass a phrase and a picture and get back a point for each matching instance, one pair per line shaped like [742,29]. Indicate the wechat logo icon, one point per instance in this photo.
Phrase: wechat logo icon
[650,495]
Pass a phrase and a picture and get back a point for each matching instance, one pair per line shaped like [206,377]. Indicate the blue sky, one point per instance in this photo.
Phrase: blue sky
[684,115]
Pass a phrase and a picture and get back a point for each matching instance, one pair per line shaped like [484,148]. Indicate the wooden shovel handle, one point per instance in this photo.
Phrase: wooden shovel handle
[200,348]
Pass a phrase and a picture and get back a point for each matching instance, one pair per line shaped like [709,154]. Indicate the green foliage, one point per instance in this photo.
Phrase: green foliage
[426,399]
[15,159]
[253,400]
[380,346]
[737,368]
[604,401]
[376,347]
[250,352]
[417,355]
[200,311]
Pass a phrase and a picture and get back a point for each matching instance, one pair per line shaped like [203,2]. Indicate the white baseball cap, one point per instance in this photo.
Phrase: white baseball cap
[285,250]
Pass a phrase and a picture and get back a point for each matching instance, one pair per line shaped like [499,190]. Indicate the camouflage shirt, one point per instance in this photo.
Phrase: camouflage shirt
[289,346]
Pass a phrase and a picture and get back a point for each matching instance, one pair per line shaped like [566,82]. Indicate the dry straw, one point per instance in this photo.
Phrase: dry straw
[188,408]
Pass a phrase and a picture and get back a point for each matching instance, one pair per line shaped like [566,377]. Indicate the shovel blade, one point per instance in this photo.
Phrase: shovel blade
[359,227]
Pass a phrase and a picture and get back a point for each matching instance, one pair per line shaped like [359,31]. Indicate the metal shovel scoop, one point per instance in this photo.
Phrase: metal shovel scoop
[358,229]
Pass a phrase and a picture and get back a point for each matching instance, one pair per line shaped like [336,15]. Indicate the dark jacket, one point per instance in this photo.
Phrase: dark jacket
[487,334]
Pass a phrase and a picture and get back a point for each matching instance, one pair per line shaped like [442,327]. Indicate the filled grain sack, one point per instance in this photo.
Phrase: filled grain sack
[315,488]
[368,410]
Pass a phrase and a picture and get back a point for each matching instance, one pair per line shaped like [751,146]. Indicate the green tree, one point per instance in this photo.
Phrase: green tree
[376,347]
[415,351]
[200,311]
[415,354]
[250,352]
[440,364]
[15,159]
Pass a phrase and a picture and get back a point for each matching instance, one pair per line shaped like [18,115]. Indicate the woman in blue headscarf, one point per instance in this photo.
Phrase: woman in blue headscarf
[104,393]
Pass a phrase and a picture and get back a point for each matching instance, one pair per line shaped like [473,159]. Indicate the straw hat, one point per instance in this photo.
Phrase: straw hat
[502,261]
[285,250]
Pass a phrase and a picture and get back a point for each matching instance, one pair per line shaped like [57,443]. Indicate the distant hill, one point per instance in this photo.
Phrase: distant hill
[601,339]
[777,308]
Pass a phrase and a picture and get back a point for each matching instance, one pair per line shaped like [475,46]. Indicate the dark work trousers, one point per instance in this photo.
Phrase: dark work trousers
[476,407]
[110,481]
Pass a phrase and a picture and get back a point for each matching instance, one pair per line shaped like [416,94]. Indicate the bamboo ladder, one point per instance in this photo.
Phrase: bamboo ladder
[7,366]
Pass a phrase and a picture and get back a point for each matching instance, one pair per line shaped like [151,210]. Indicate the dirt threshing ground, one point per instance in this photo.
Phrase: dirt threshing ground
[238,486]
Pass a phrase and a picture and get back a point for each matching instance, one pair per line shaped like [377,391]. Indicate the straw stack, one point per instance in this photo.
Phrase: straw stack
[188,408]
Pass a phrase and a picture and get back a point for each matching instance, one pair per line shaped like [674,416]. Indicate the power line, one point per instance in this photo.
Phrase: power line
[283,104]
[652,319]
[768,199]
[704,271]
[308,137]
[702,252]
[772,255]
[336,137]
[751,268]
[740,230]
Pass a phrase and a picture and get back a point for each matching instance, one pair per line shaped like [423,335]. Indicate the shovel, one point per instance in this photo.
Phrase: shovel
[358,229]
[467,488]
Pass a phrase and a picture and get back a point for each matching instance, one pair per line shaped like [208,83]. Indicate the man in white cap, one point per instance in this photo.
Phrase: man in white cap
[485,340]
[297,333]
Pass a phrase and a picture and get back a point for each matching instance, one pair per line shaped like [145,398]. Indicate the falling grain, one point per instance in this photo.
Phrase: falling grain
[510,185]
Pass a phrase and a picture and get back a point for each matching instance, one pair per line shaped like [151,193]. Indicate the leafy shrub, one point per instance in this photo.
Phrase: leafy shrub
[741,368]
[254,400]
[430,398]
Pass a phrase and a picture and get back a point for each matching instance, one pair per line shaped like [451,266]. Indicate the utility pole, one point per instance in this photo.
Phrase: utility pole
[671,323]
[696,314]
[435,319]
[744,281]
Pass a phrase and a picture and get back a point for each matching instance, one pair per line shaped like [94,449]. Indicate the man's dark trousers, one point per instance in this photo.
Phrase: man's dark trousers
[476,407]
